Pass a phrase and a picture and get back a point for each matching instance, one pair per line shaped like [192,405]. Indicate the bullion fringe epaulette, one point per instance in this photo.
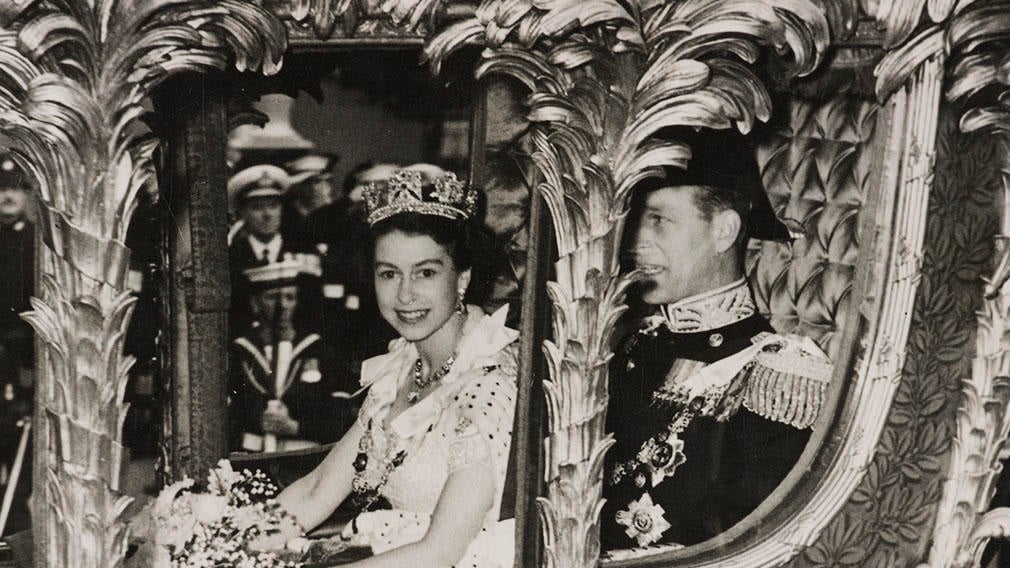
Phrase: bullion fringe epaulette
[782,378]
[787,382]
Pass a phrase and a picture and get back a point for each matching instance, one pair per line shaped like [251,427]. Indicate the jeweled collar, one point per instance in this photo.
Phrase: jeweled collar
[710,310]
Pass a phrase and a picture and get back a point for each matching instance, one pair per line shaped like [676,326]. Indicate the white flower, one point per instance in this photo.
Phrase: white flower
[163,505]
[176,532]
[222,478]
[209,508]
[644,520]
[197,530]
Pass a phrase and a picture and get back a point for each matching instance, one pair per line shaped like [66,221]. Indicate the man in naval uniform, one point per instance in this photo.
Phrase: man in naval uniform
[256,194]
[351,325]
[710,409]
[312,188]
[280,400]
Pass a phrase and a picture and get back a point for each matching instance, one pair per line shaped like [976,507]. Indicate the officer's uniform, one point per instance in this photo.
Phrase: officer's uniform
[310,173]
[266,181]
[710,410]
[17,279]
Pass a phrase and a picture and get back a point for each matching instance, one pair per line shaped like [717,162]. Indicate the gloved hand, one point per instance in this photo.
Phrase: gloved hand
[277,420]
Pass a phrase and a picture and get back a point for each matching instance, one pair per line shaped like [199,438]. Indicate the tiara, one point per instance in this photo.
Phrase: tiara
[406,191]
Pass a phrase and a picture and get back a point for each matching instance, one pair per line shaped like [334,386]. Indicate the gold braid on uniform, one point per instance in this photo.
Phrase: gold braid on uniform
[788,382]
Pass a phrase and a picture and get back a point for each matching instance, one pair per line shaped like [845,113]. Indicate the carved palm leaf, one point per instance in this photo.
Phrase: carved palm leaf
[901,18]
[78,70]
[75,77]
[605,77]
[979,79]
[960,27]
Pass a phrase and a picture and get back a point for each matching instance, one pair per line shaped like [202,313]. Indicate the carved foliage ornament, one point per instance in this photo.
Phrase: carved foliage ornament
[75,77]
[605,77]
[363,18]
[976,37]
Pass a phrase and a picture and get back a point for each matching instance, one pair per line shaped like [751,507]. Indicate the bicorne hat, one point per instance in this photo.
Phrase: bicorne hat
[724,160]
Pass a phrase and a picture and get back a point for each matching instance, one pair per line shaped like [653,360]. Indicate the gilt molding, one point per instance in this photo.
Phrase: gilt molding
[604,78]
[315,23]
[974,33]
[75,78]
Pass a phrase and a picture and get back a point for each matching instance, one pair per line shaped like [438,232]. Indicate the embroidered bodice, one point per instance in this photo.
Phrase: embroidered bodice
[466,421]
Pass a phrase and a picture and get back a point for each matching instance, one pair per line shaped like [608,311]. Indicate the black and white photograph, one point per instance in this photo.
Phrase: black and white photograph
[504,283]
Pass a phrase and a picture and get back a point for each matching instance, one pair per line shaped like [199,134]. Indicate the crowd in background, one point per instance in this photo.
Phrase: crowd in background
[17,354]
[303,314]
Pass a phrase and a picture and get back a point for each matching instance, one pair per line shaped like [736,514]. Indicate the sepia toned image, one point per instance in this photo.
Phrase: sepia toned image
[572,283]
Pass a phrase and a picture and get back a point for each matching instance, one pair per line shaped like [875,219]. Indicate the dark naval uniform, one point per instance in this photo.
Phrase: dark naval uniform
[309,396]
[17,278]
[241,256]
[710,410]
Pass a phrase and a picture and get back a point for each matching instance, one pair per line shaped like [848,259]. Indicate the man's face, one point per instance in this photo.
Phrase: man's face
[320,193]
[380,172]
[262,216]
[276,305]
[675,246]
[12,202]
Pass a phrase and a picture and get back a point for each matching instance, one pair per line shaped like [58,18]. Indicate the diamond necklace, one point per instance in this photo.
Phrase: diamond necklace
[421,382]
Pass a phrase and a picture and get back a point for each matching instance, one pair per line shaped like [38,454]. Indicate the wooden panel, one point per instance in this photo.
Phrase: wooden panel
[196,294]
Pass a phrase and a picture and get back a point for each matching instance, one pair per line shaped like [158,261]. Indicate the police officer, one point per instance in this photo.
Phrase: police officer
[710,408]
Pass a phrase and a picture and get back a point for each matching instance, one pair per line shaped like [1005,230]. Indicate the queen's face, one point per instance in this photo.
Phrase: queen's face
[416,284]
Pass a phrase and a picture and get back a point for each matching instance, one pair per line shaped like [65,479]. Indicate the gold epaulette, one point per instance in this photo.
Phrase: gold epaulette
[788,381]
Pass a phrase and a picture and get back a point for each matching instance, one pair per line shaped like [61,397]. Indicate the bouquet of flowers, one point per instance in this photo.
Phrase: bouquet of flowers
[183,528]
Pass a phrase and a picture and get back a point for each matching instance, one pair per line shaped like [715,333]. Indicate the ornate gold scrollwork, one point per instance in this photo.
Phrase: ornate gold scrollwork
[606,76]
[975,36]
[75,77]
[312,21]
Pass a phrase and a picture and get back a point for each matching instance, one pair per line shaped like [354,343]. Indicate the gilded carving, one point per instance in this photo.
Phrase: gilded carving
[981,423]
[311,21]
[604,78]
[75,77]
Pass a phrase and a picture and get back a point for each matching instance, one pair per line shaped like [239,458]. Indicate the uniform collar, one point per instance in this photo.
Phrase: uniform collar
[268,251]
[710,310]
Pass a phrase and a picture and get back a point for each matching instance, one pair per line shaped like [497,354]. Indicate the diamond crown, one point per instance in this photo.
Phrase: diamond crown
[411,191]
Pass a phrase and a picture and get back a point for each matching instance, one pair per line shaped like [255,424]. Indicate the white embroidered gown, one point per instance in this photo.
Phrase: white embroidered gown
[467,420]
